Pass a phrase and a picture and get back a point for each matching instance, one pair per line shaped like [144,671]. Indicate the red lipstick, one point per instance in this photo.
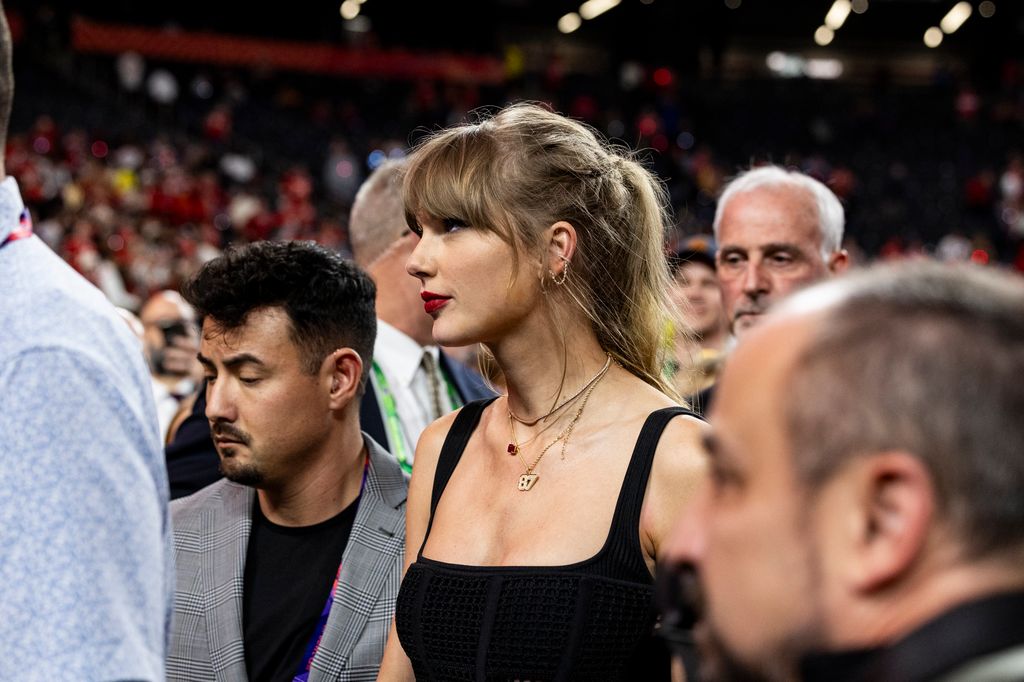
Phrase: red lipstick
[433,302]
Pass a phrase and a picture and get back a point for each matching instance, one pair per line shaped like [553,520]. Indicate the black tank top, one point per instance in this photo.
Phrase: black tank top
[583,621]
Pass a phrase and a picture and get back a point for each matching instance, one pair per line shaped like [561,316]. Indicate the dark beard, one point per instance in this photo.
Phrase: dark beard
[242,474]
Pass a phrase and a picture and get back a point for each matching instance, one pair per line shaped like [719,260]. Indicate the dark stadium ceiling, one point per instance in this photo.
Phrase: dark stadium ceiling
[672,32]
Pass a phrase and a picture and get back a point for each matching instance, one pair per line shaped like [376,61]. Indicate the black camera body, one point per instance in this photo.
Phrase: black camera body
[171,330]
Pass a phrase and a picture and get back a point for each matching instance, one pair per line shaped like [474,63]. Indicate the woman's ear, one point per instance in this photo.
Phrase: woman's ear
[561,248]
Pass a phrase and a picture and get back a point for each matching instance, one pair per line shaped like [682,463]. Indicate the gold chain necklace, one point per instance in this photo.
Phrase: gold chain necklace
[527,480]
[565,402]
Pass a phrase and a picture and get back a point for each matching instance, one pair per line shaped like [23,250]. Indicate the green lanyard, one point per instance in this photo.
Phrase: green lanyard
[396,437]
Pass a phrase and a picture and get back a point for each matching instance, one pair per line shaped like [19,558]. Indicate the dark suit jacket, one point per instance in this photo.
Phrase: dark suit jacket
[192,461]
[468,384]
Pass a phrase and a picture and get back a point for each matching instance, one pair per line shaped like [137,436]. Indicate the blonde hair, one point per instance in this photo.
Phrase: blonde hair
[523,169]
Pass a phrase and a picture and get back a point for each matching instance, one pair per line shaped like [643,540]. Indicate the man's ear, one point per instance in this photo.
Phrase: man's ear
[838,262]
[343,370]
[895,514]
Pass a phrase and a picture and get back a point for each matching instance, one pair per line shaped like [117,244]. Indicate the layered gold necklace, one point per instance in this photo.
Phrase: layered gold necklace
[527,480]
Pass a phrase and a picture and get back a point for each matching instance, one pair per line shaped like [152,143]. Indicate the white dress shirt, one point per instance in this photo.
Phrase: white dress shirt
[400,358]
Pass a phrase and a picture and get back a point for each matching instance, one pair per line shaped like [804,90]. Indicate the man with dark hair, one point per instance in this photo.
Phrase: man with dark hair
[869,526]
[289,567]
[85,559]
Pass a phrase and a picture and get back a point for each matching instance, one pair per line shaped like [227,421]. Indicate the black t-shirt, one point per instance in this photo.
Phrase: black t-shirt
[288,576]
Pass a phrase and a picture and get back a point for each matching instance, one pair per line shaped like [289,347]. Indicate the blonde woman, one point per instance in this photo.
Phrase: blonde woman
[535,520]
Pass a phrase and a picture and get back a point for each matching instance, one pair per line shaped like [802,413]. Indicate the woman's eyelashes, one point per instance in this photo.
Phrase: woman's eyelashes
[453,224]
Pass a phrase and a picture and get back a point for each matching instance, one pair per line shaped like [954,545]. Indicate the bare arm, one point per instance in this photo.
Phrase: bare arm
[679,469]
[395,666]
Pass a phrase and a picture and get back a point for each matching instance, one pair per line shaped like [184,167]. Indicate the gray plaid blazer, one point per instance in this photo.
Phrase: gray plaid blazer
[211,534]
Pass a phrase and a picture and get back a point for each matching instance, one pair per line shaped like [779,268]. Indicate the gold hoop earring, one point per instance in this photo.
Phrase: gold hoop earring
[559,280]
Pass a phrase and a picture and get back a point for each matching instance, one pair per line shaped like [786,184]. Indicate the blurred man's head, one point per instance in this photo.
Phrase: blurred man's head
[287,336]
[381,244]
[866,458]
[777,231]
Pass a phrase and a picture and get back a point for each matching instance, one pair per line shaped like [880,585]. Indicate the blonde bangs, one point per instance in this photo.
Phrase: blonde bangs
[455,174]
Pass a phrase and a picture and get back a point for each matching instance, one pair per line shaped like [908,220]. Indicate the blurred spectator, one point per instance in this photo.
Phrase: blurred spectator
[696,292]
[171,343]
[86,564]
[892,548]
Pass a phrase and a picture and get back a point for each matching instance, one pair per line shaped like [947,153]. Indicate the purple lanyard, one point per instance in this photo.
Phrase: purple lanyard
[22,231]
[321,624]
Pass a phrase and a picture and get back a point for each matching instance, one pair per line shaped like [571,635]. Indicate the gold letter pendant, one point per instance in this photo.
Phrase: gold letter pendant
[526,481]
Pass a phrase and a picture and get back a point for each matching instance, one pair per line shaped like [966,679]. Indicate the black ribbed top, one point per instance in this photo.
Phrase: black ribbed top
[581,621]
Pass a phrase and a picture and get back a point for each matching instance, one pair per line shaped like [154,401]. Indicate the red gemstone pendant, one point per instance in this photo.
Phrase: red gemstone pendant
[512,449]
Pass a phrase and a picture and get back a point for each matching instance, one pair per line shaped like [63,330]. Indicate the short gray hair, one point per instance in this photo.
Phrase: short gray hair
[378,215]
[831,219]
[925,358]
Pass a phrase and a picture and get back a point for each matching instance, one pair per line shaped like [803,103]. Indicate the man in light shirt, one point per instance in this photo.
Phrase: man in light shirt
[85,556]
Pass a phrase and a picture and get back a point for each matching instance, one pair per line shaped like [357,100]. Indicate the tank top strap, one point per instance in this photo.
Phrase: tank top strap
[451,452]
[625,538]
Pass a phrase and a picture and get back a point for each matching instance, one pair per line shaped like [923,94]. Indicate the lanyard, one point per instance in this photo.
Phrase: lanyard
[321,624]
[22,231]
[396,437]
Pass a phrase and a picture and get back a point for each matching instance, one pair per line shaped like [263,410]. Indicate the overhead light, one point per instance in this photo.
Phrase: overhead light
[955,17]
[733,4]
[594,8]
[859,6]
[349,9]
[795,66]
[777,61]
[987,9]
[933,37]
[569,22]
[824,35]
[825,69]
[837,15]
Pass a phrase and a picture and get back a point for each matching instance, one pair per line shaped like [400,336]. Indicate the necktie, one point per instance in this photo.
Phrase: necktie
[433,383]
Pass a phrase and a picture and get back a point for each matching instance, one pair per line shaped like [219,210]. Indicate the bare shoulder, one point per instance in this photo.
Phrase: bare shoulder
[680,454]
[677,473]
[428,450]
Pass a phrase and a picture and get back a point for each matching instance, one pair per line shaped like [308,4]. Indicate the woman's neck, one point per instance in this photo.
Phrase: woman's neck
[533,365]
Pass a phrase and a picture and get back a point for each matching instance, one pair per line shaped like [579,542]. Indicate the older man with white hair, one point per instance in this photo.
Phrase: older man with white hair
[777,231]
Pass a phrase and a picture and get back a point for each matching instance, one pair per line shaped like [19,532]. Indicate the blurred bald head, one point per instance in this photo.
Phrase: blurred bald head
[378,215]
